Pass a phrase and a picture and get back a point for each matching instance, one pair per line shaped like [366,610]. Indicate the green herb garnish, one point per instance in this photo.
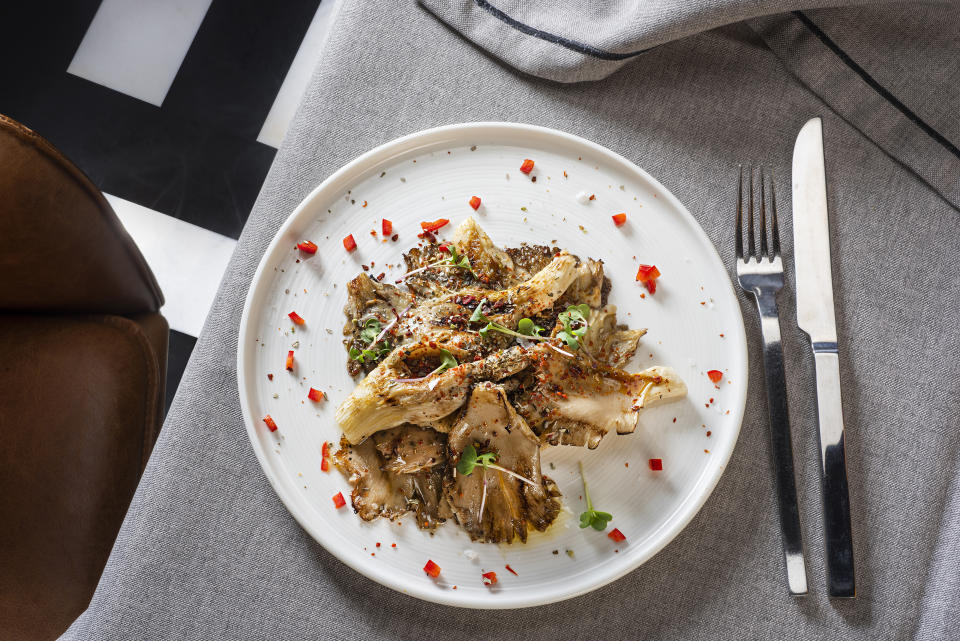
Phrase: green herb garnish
[455,260]
[527,328]
[446,362]
[370,353]
[574,322]
[371,329]
[460,260]
[469,460]
[592,518]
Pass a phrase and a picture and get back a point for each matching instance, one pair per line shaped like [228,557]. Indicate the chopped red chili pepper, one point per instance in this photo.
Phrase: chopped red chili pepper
[527,166]
[435,225]
[715,375]
[295,317]
[648,275]
[386,227]
[338,500]
[656,464]
[307,247]
[271,424]
[510,569]
[325,465]
[475,202]
[315,395]
[619,219]
[616,535]
[349,243]
[290,360]
[647,272]
[443,248]
[489,578]
[325,450]
[432,569]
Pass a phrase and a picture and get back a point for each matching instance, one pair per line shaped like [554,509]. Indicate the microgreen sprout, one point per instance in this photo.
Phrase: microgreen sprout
[592,518]
[446,362]
[527,328]
[370,353]
[370,334]
[469,460]
[574,321]
[456,260]
[370,331]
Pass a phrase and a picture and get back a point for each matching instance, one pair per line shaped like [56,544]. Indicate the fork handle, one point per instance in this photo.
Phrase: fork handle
[782,447]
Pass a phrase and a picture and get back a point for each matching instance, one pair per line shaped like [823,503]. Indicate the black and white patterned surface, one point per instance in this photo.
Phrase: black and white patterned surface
[175,110]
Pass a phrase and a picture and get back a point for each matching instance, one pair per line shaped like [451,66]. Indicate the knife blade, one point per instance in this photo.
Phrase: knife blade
[816,317]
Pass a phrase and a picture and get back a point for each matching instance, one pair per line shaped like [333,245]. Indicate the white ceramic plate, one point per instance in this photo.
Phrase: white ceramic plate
[694,325]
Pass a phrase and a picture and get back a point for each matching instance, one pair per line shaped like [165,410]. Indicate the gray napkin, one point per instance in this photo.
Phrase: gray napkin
[572,42]
[207,550]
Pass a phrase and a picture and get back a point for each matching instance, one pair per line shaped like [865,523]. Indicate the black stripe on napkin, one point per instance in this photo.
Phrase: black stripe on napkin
[573,45]
[876,86]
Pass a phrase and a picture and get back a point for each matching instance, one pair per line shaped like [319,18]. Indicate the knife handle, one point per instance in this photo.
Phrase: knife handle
[833,474]
[782,446]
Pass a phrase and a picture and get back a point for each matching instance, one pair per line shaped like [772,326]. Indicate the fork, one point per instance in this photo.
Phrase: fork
[762,275]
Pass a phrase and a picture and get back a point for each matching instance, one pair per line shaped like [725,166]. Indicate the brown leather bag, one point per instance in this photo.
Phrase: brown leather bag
[83,353]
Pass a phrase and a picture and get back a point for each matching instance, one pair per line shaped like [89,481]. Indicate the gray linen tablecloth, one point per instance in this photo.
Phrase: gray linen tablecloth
[209,552]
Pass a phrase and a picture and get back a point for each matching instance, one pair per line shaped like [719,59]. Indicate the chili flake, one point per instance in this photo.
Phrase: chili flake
[349,243]
[338,500]
[489,578]
[616,535]
[715,375]
[295,317]
[510,569]
[475,202]
[656,464]
[527,166]
[316,396]
[619,219]
[386,227]
[290,361]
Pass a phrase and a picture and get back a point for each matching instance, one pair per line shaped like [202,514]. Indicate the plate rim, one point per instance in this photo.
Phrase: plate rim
[291,501]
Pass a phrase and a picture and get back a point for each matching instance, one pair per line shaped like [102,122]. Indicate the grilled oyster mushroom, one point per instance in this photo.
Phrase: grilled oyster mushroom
[576,401]
[426,497]
[608,342]
[375,492]
[397,392]
[444,318]
[367,298]
[509,505]
[587,285]
[489,262]
[410,448]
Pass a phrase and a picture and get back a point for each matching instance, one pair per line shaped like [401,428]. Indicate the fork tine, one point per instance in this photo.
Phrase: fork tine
[775,235]
[763,214]
[739,230]
[750,254]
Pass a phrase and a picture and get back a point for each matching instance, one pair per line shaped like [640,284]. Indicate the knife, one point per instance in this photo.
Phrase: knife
[815,316]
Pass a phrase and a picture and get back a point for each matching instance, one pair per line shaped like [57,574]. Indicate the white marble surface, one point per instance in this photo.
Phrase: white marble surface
[188,261]
[295,82]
